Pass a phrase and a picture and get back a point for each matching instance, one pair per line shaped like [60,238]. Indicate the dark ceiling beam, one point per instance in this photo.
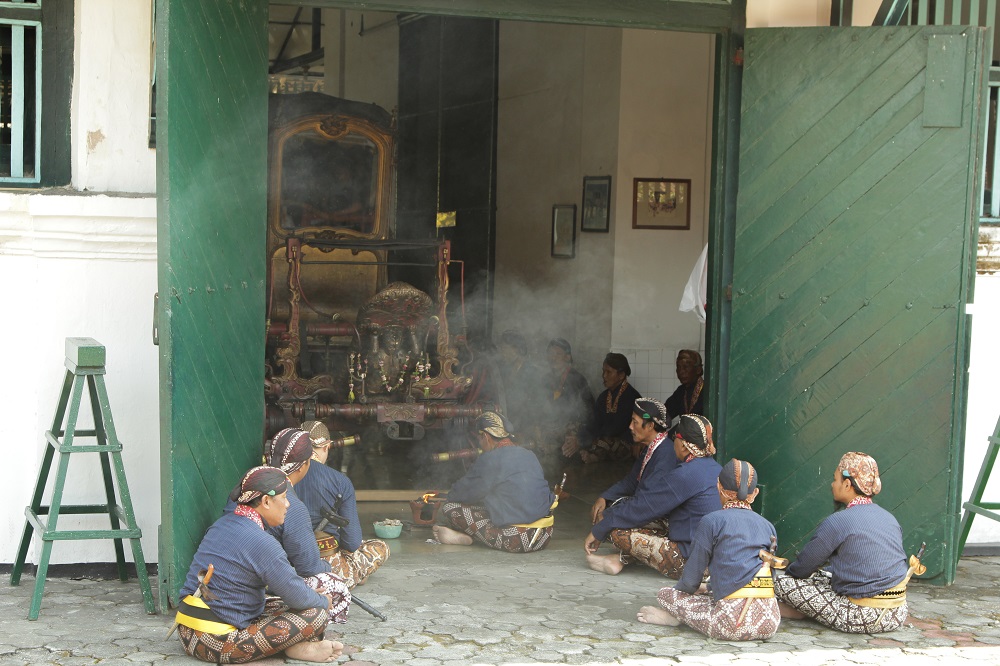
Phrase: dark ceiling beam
[304,60]
[706,16]
[288,36]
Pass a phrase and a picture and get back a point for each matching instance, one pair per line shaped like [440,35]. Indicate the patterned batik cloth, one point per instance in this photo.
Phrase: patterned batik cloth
[355,567]
[650,546]
[474,520]
[815,598]
[726,619]
[335,586]
[279,628]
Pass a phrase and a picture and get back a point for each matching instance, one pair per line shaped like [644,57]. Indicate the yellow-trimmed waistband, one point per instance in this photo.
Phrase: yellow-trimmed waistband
[193,612]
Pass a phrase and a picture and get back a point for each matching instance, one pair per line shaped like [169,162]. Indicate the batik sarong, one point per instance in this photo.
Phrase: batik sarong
[474,520]
[815,598]
[279,628]
[650,546]
[355,567]
[748,619]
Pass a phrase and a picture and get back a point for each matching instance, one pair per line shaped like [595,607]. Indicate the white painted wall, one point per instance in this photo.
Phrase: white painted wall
[81,262]
[362,66]
[111,97]
[665,132]
[557,122]
[77,266]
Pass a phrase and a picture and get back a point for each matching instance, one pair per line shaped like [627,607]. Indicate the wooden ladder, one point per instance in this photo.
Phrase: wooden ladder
[976,505]
[84,364]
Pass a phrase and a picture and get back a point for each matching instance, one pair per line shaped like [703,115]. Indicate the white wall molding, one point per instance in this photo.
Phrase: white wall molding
[57,226]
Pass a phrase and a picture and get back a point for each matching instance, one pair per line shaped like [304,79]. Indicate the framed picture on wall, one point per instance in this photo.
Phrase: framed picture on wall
[596,215]
[564,230]
[661,203]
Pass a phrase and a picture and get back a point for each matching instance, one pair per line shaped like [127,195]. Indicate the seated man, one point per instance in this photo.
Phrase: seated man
[739,604]
[324,488]
[689,397]
[290,451]
[656,508]
[611,439]
[863,548]
[503,488]
[225,619]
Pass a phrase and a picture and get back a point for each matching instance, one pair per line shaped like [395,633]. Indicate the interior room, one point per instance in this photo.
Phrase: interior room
[504,124]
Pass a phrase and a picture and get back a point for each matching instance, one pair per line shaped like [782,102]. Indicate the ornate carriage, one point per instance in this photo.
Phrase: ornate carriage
[345,345]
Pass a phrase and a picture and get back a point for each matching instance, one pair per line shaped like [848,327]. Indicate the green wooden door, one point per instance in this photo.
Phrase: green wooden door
[211,194]
[854,249]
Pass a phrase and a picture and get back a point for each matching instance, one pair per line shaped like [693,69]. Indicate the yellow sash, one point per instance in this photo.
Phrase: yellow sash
[195,613]
[761,586]
[894,597]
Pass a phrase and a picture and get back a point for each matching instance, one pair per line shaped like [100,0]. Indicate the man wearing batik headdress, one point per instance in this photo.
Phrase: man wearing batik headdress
[499,497]
[324,489]
[689,398]
[651,515]
[291,451]
[862,547]
[738,604]
[226,617]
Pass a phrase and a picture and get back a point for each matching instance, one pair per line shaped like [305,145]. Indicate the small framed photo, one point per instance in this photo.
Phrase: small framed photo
[596,214]
[564,230]
[661,203]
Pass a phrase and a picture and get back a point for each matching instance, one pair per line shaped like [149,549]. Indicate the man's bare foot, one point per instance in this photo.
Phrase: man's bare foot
[609,564]
[317,651]
[448,535]
[789,612]
[656,615]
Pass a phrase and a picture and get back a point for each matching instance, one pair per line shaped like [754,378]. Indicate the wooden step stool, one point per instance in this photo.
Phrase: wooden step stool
[84,363]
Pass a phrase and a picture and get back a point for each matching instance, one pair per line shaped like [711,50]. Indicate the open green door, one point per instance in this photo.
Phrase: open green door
[211,212]
[854,254]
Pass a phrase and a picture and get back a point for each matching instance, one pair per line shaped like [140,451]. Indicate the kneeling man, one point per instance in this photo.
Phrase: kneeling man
[499,496]
[862,546]
[225,619]
[738,604]
[655,510]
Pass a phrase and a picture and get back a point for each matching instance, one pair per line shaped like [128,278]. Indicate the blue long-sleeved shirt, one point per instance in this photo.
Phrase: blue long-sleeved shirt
[318,490]
[509,482]
[296,537]
[863,546]
[683,496]
[247,560]
[728,543]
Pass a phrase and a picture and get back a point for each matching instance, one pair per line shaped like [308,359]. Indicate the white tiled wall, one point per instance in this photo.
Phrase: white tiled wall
[654,372]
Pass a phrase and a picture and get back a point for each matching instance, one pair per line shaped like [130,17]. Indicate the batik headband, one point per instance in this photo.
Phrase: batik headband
[318,433]
[651,410]
[862,470]
[289,450]
[563,344]
[696,432]
[494,424]
[258,482]
[739,477]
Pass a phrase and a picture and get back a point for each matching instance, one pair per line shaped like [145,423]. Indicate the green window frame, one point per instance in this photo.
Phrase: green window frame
[35,92]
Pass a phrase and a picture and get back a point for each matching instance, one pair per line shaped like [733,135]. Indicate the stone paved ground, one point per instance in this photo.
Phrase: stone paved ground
[455,605]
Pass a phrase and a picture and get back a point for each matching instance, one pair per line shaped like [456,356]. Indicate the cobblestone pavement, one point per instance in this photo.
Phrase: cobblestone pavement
[458,605]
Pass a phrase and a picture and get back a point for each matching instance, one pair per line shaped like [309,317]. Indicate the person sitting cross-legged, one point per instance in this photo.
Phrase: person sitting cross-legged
[862,547]
[323,489]
[503,491]
[228,619]
[651,515]
[738,604]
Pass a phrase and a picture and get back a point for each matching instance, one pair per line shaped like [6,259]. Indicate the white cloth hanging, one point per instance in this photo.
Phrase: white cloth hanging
[696,290]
